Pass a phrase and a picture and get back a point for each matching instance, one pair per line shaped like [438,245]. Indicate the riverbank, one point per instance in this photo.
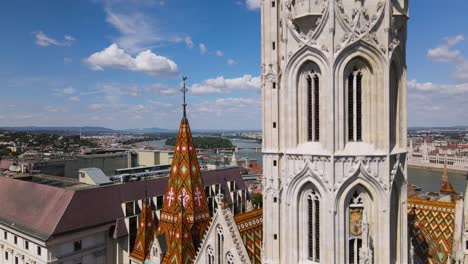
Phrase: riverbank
[436,169]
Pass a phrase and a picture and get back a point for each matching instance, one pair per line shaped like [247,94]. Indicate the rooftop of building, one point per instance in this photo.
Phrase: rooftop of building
[46,206]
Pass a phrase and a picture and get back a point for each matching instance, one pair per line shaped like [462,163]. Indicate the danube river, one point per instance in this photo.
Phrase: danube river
[429,180]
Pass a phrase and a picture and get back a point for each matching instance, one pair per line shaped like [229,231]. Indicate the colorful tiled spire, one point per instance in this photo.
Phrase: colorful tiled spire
[185,215]
[145,233]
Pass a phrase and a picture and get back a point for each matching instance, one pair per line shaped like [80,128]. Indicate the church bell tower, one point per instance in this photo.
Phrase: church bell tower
[334,131]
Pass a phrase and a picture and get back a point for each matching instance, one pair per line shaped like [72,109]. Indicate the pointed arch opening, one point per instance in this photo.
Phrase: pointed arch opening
[308,217]
[309,87]
[358,209]
[358,82]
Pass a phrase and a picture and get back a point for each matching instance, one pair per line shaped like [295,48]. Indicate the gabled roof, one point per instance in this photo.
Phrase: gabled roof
[223,217]
[145,233]
[45,211]
[40,207]
[433,223]
[250,226]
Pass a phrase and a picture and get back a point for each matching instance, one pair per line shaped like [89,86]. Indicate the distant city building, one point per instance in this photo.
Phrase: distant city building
[153,157]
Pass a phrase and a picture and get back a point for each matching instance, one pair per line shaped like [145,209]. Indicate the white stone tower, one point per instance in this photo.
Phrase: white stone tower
[334,131]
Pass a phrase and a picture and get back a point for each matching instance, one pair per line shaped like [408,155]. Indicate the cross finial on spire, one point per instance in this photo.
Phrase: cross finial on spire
[184,91]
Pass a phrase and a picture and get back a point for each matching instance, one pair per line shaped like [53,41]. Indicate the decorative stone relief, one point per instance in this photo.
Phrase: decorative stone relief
[353,166]
[271,75]
[296,164]
[360,21]
[305,19]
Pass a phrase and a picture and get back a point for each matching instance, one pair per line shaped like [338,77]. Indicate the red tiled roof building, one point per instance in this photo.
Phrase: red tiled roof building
[185,215]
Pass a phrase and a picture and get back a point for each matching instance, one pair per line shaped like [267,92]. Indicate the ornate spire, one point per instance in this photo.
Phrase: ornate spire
[446,187]
[185,215]
[184,91]
[145,234]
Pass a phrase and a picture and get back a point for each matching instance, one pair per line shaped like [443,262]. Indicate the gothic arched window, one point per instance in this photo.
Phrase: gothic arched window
[309,225]
[354,105]
[313,227]
[229,258]
[309,90]
[219,244]
[210,255]
[358,210]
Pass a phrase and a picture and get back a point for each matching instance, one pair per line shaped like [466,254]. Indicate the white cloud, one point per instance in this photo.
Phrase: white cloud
[43,40]
[252,4]
[439,88]
[455,40]
[461,71]
[138,31]
[444,53]
[53,109]
[68,90]
[146,61]
[431,104]
[219,53]
[188,42]
[96,106]
[231,62]
[203,48]
[221,84]
[74,98]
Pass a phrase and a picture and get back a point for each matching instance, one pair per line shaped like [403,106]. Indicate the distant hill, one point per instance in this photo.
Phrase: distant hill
[67,130]
[149,130]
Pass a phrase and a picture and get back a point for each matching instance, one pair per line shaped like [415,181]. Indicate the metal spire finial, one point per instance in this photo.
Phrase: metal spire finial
[184,91]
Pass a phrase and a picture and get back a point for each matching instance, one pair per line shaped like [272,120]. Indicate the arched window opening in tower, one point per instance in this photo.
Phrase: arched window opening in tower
[355,217]
[313,227]
[313,107]
[355,105]
[309,108]
[219,244]
[210,255]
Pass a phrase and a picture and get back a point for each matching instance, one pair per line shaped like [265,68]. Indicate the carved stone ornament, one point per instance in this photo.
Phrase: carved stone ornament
[360,19]
[271,76]
[367,166]
[306,19]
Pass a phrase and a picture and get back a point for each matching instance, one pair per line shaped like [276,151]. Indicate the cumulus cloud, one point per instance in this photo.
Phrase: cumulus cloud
[219,53]
[252,4]
[43,40]
[221,84]
[432,104]
[231,62]
[202,48]
[146,61]
[444,53]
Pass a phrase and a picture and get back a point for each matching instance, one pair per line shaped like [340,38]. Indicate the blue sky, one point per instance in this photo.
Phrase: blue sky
[118,63]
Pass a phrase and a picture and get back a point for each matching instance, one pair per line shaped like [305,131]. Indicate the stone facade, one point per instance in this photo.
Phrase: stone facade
[334,131]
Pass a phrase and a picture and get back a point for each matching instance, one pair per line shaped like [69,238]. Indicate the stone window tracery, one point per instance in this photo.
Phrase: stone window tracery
[210,255]
[354,105]
[219,244]
[229,258]
[357,227]
[309,92]
[309,225]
